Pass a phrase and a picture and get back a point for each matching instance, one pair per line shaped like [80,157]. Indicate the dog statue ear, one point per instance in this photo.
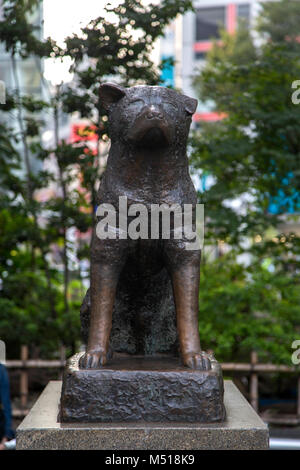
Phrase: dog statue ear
[110,93]
[190,104]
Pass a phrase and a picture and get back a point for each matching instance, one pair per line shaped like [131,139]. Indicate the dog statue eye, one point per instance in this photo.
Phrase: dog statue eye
[136,105]
[170,107]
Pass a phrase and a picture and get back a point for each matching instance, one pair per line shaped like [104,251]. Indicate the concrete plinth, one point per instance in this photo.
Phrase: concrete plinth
[242,429]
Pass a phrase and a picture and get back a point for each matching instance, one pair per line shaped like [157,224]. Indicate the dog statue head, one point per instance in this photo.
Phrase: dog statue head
[147,116]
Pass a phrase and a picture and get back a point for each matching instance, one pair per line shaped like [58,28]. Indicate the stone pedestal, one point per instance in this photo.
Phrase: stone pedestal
[142,389]
[242,429]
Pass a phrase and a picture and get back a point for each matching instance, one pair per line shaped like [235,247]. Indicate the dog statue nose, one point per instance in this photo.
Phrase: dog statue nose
[154,113]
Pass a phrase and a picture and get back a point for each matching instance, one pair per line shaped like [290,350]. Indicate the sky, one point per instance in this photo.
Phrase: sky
[62,18]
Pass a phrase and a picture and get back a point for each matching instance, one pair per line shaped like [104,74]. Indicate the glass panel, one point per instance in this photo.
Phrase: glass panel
[200,55]
[243,12]
[5,72]
[208,22]
[30,76]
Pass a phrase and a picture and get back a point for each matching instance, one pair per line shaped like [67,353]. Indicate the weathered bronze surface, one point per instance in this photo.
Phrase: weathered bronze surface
[129,307]
[142,389]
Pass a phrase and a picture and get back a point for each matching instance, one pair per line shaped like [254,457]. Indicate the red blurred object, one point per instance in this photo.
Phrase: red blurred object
[231,18]
[83,133]
[209,117]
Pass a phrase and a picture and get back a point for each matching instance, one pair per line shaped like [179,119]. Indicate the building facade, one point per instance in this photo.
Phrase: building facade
[188,39]
[30,69]
[26,76]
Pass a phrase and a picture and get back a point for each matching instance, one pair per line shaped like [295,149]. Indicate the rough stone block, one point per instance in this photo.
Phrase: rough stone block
[134,389]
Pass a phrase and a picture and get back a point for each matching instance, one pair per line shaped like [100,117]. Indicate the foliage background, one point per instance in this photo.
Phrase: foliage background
[40,299]
[252,154]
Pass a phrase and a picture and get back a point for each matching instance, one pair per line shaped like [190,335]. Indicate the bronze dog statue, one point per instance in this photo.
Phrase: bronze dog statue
[134,283]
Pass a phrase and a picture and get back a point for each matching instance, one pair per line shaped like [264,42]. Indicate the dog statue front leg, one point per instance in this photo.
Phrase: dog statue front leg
[185,275]
[104,279]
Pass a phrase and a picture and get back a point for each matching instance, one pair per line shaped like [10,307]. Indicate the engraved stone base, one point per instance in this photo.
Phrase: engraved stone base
[134,389]
[242,429]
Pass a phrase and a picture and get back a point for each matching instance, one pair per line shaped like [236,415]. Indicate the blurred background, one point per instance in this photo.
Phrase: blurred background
[241,60]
